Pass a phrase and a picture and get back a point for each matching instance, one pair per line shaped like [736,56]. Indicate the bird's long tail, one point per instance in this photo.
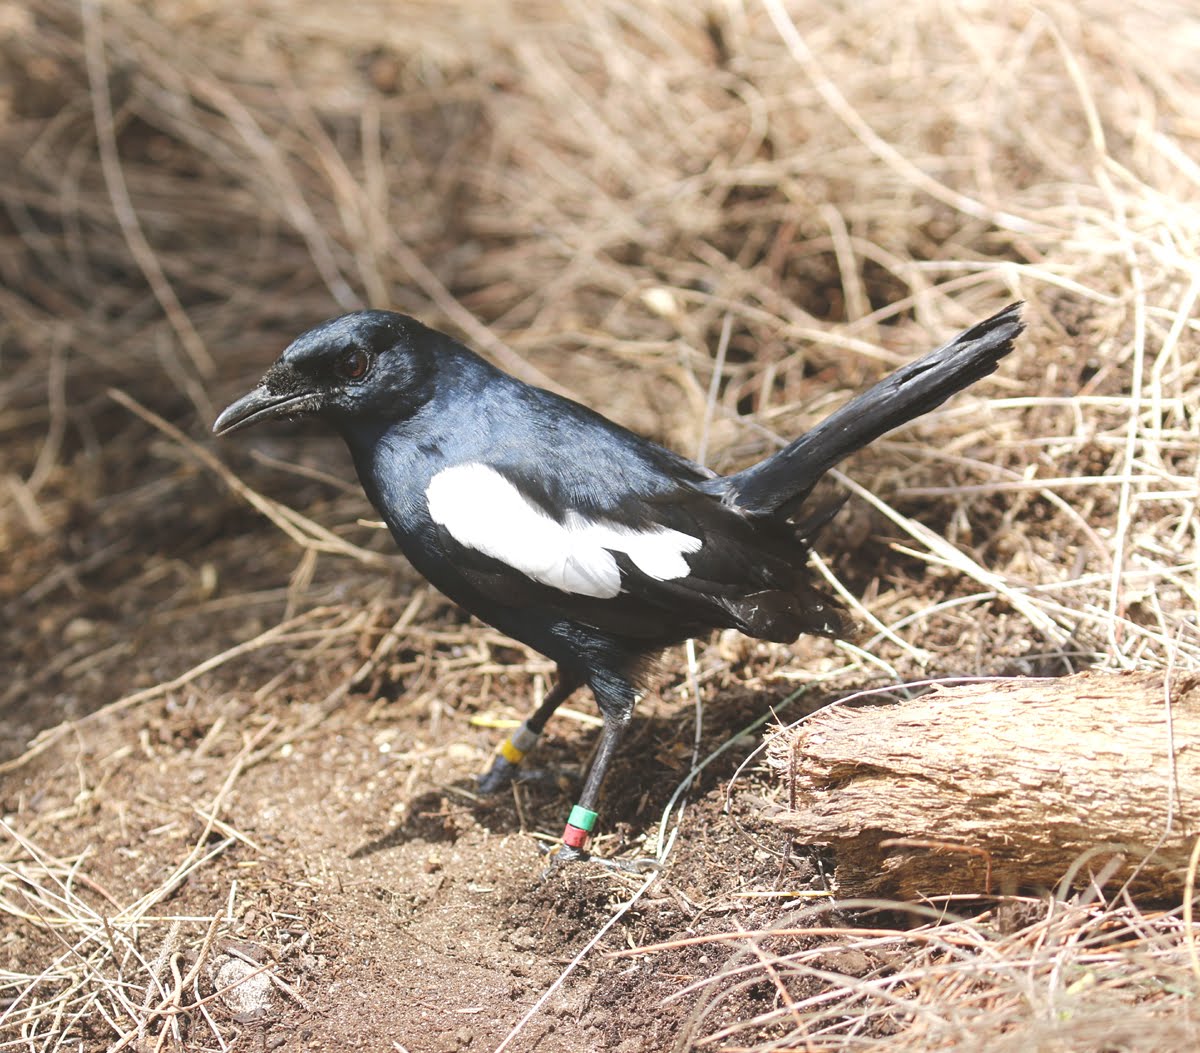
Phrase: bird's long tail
[779,484]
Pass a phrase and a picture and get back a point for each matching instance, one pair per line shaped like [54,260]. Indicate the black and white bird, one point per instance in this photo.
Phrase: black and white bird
[591,544]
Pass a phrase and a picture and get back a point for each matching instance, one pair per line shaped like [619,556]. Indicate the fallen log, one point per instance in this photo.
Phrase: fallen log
[1002,786]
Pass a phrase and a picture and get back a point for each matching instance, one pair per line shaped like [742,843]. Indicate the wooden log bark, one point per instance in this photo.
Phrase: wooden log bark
[1003,786]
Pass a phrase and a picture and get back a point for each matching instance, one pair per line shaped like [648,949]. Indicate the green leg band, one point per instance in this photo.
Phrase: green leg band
[582,819]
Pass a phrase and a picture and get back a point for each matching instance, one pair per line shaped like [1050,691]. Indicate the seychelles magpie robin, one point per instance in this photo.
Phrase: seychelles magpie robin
[592,545]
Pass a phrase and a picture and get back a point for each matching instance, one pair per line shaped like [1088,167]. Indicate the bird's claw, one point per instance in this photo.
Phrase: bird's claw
[497,777]
[561,858]
[503,774]
[637,865]
[566,854]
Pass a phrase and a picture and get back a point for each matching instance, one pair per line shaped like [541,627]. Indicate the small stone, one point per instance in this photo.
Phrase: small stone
[78,629]
[244,988]
[523,939]
[661,301]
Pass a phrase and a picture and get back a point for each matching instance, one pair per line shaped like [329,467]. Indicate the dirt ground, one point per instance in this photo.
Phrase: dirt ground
[340,842]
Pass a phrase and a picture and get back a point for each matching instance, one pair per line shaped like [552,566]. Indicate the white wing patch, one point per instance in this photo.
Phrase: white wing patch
[484,511]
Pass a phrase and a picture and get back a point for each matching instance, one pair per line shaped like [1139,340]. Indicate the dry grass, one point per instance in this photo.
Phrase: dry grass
[98,979]
[1021,975]
[713,222]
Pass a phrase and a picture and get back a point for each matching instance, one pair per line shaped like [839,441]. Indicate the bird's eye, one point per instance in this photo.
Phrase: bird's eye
[353,364]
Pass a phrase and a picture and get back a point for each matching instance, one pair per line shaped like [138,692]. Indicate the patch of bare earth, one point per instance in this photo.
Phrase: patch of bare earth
[351,860]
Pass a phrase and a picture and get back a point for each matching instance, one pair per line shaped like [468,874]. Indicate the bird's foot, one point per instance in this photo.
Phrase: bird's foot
[502,774]
[573,848]
[506,766]
[566,855]
[497,777]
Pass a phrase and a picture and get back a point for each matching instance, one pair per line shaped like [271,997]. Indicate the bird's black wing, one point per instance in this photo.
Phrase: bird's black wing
[646,556]
[751,574]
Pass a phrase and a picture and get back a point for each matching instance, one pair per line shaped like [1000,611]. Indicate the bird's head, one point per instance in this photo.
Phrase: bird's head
[356,370]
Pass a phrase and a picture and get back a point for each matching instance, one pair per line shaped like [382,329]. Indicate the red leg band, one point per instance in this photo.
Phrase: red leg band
[573,837]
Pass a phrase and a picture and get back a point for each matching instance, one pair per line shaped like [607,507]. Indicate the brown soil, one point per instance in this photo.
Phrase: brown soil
[351,855]
[356,862]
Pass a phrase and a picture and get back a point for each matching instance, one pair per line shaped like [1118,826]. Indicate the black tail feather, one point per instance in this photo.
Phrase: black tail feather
[777,485]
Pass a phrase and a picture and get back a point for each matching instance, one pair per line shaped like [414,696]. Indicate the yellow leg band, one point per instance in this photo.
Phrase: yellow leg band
[510,752]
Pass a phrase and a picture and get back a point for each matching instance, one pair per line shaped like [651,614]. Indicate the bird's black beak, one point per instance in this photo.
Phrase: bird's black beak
[261,404]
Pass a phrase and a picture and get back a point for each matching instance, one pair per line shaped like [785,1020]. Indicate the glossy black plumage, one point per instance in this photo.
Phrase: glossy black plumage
[640,548]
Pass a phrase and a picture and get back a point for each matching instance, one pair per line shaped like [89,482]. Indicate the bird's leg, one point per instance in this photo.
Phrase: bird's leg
[524,737]
[582,820]
[617,708]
